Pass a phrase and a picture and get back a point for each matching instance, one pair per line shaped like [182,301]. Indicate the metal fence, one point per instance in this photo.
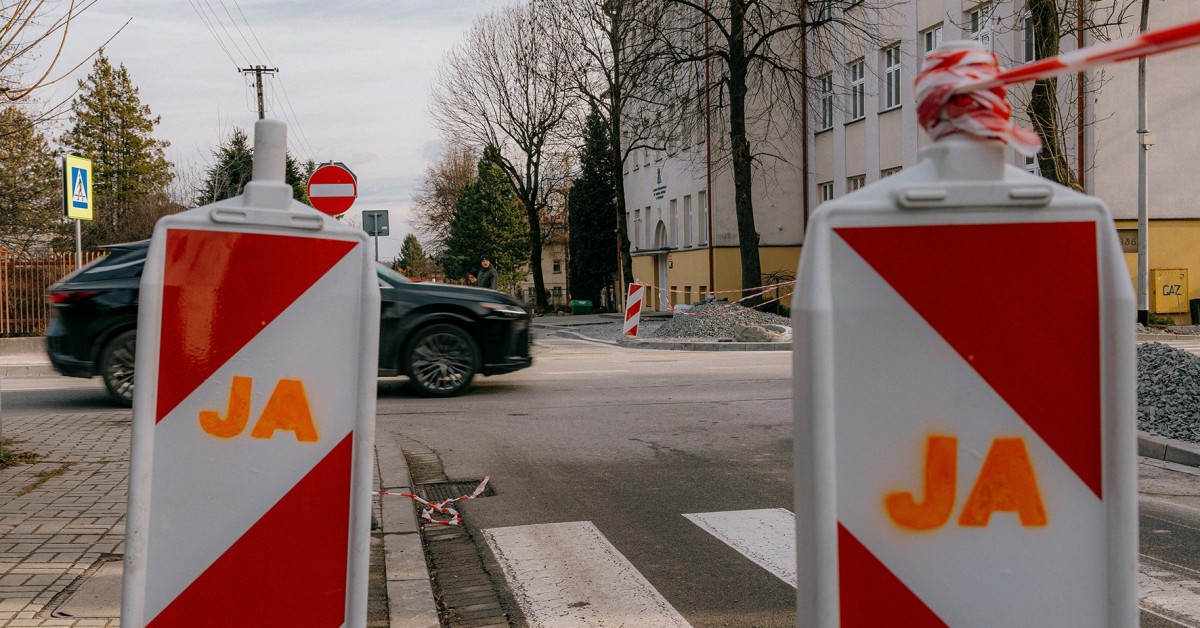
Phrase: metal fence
[23,282]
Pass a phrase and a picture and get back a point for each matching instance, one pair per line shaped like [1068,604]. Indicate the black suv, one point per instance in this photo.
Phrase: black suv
[439,335]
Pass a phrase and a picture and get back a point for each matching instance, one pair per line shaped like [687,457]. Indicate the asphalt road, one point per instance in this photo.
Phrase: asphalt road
[629,441]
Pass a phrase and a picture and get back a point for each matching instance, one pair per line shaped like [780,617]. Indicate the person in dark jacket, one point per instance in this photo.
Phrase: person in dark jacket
[487,275]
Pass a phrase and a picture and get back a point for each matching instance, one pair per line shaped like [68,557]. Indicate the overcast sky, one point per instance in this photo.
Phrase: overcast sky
[353,83]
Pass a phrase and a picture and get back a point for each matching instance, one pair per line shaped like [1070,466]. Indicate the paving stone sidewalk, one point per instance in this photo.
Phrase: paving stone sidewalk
[63,518]
[62,515]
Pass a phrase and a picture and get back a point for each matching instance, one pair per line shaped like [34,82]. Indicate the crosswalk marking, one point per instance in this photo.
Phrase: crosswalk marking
[767,537]
[567,574]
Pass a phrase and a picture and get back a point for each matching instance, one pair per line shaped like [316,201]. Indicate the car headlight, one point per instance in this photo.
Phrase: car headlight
[504,309]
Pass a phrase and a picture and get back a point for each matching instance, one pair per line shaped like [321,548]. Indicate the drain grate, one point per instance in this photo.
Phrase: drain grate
[442,491]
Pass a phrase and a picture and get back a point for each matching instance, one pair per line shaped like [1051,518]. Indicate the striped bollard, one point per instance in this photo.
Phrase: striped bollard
[633,309]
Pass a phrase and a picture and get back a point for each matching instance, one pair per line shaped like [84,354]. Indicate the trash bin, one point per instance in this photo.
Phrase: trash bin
[1194,307]
[581,307]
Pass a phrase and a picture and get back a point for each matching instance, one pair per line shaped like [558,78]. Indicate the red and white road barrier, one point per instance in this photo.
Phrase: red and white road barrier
[633,309]
[442,507]
[253,414]
[962,89]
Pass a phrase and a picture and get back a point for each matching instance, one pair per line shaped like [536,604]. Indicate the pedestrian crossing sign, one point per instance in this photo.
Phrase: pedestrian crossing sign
[77,187]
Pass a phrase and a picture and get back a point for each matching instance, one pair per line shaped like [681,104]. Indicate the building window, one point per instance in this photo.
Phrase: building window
[687,295]
[979,25]
[1030,40]
[1031,165]
[673,228]
[933,38]
[557,267]
[825,100]
[887,172]
[687,221]
[822,11]
[891,77]
[826,190]
[702,202]
[858,84]
[635,229]
[854,183]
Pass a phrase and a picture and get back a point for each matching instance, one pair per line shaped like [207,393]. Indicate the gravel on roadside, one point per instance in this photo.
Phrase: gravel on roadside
[1168,392]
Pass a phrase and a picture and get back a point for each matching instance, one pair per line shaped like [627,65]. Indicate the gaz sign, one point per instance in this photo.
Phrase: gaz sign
[77,187]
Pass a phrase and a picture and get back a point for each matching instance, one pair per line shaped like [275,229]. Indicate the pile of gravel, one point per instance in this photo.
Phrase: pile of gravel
[711,320]
[1168,392]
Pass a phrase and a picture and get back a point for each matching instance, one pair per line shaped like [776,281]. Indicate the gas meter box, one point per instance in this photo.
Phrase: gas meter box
[964,419]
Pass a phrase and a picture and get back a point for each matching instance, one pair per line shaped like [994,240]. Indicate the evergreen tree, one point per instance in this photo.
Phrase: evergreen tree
[234,167]
[413,261]
[130,171]
[489,220]
[592,214]
[31,212]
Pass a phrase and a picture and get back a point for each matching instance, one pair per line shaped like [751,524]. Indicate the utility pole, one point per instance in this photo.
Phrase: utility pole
[1145,141]
[259,71]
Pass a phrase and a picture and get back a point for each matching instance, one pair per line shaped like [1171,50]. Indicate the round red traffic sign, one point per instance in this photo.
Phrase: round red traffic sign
[332,189]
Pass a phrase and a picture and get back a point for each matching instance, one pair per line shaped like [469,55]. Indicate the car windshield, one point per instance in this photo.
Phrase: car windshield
[390,275]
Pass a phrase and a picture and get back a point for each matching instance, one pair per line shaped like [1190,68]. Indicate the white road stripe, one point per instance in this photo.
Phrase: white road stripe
[568,574]
[767,537]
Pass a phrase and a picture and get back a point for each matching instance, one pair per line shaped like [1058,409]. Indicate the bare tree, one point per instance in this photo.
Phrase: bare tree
[755,55]
[623,72]
[437,193]
[508,85]
[27,27]
[1054,106]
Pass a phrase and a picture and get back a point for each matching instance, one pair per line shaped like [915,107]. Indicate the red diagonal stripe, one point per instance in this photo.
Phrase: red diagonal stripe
[1020,303]
[634,308]
[289,568]
[871,595]
[220,290]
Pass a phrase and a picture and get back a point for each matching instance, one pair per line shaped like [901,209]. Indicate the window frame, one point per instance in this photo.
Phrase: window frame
[892,86]
[857,182]
[825,102]
[858,90]
[824,192]
[1028,41]
[931,38]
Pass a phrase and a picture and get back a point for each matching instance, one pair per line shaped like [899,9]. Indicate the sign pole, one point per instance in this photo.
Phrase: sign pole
[78,245]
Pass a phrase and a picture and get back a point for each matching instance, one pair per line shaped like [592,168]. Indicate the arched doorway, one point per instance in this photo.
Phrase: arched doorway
[661,244]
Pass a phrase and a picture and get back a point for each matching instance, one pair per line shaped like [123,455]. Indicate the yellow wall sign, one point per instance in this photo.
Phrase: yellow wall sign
[77,187]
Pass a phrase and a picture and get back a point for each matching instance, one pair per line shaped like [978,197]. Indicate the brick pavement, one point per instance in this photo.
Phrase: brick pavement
[61,515]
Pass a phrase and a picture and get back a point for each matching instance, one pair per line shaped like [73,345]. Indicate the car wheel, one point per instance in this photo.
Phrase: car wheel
[116,367]
[442,360]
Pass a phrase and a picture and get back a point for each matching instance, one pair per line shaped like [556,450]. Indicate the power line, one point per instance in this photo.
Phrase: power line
[232,41]
[212,31]
[296,120]
[238,28]
[252,33]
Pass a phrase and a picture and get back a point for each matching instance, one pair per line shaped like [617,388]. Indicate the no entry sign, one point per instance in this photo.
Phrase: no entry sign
[963,414]
[251,466]
[332,189]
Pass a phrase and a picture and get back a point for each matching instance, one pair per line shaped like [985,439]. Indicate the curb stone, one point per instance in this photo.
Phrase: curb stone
[1168,449]
[410,595]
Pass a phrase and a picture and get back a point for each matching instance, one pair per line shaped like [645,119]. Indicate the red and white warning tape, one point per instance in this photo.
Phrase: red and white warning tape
[962,91]
[725,309]
[442,507]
